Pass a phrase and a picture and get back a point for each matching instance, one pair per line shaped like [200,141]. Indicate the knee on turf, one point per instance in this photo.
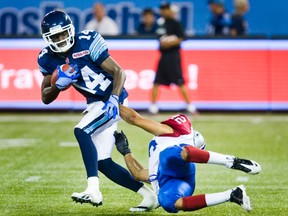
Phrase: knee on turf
[168,200]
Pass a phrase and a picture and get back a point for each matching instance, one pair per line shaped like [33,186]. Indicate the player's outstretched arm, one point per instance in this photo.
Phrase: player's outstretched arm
[136,169]
[132,117]
[49,93]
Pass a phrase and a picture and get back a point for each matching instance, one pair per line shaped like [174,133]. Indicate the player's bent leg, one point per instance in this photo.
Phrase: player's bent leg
[94,121]
[88,151]
[192,154]
[171,191]
[237,195]
[92,193]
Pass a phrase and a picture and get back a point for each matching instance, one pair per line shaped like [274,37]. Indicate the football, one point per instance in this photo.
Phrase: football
[54,76]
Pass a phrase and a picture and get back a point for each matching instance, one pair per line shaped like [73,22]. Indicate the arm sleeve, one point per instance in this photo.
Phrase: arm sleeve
[98,49]
[43,63]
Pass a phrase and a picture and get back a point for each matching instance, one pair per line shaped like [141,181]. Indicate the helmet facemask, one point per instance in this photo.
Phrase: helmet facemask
[62,45]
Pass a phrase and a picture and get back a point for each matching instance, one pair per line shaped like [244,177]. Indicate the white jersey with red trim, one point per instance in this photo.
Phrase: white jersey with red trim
[182,134]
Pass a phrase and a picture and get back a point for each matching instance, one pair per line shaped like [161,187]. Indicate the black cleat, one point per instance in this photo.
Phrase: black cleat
[245,165]
[239,196]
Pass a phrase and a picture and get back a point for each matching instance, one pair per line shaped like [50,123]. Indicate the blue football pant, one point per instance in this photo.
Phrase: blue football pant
[176,178]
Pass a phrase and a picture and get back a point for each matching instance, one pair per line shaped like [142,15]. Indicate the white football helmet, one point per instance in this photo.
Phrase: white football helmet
[198,140]
[57,22]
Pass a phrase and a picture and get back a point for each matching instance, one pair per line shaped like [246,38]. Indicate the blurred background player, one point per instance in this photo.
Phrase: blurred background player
[239,25]
[220,20]
[173,153]
[169,69]
[148,23]
[99,78]
[101,22]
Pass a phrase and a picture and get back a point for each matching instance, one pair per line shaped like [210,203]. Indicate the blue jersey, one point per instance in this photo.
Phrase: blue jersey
[88,52]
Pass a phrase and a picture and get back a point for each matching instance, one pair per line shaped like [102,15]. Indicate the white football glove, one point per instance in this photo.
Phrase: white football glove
[65,78]
[111,106]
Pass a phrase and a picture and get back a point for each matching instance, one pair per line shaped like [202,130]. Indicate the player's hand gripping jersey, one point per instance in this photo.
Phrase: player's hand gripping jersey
[88,52]
[182,135]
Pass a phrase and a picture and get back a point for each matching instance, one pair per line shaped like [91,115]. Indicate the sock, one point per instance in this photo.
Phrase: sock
[89,152]
[202,156]
[150,198]
[217,198]
[220,159]
[118,174]
[193,203]
[93,184]
[197,155]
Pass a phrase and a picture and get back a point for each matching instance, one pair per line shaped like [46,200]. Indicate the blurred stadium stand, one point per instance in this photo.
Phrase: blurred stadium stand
[22,17]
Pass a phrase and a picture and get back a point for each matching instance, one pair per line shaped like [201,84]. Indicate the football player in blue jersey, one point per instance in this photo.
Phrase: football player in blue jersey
[173,153]
[98,77]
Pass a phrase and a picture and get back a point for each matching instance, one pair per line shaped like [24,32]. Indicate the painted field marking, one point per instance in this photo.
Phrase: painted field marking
[32,178]
[242,179]
[68,144]
[11,143]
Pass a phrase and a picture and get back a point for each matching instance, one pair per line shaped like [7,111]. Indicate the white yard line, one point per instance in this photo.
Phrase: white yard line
[11,143]
[68,144]
[32,178]
[242,179]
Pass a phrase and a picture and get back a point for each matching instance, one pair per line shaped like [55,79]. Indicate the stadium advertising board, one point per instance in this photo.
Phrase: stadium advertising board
[220,74]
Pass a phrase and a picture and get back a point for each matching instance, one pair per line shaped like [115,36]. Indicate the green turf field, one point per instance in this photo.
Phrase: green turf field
[41,164]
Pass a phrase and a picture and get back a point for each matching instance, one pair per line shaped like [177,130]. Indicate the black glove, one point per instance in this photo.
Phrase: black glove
[121,143]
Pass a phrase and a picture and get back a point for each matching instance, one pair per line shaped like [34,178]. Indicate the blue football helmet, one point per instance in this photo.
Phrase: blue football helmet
[58,31]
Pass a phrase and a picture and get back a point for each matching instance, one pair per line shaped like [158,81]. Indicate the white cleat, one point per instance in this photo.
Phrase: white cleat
[153,109]
[149,203]
[141,208]
[191,108]
[94,199]
[239,196]
[248,166]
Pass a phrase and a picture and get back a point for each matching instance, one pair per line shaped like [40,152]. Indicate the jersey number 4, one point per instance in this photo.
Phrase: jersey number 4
[92,80]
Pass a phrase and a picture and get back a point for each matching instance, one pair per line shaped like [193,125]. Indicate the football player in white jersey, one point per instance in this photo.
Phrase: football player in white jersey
[173,153]
[98,77]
